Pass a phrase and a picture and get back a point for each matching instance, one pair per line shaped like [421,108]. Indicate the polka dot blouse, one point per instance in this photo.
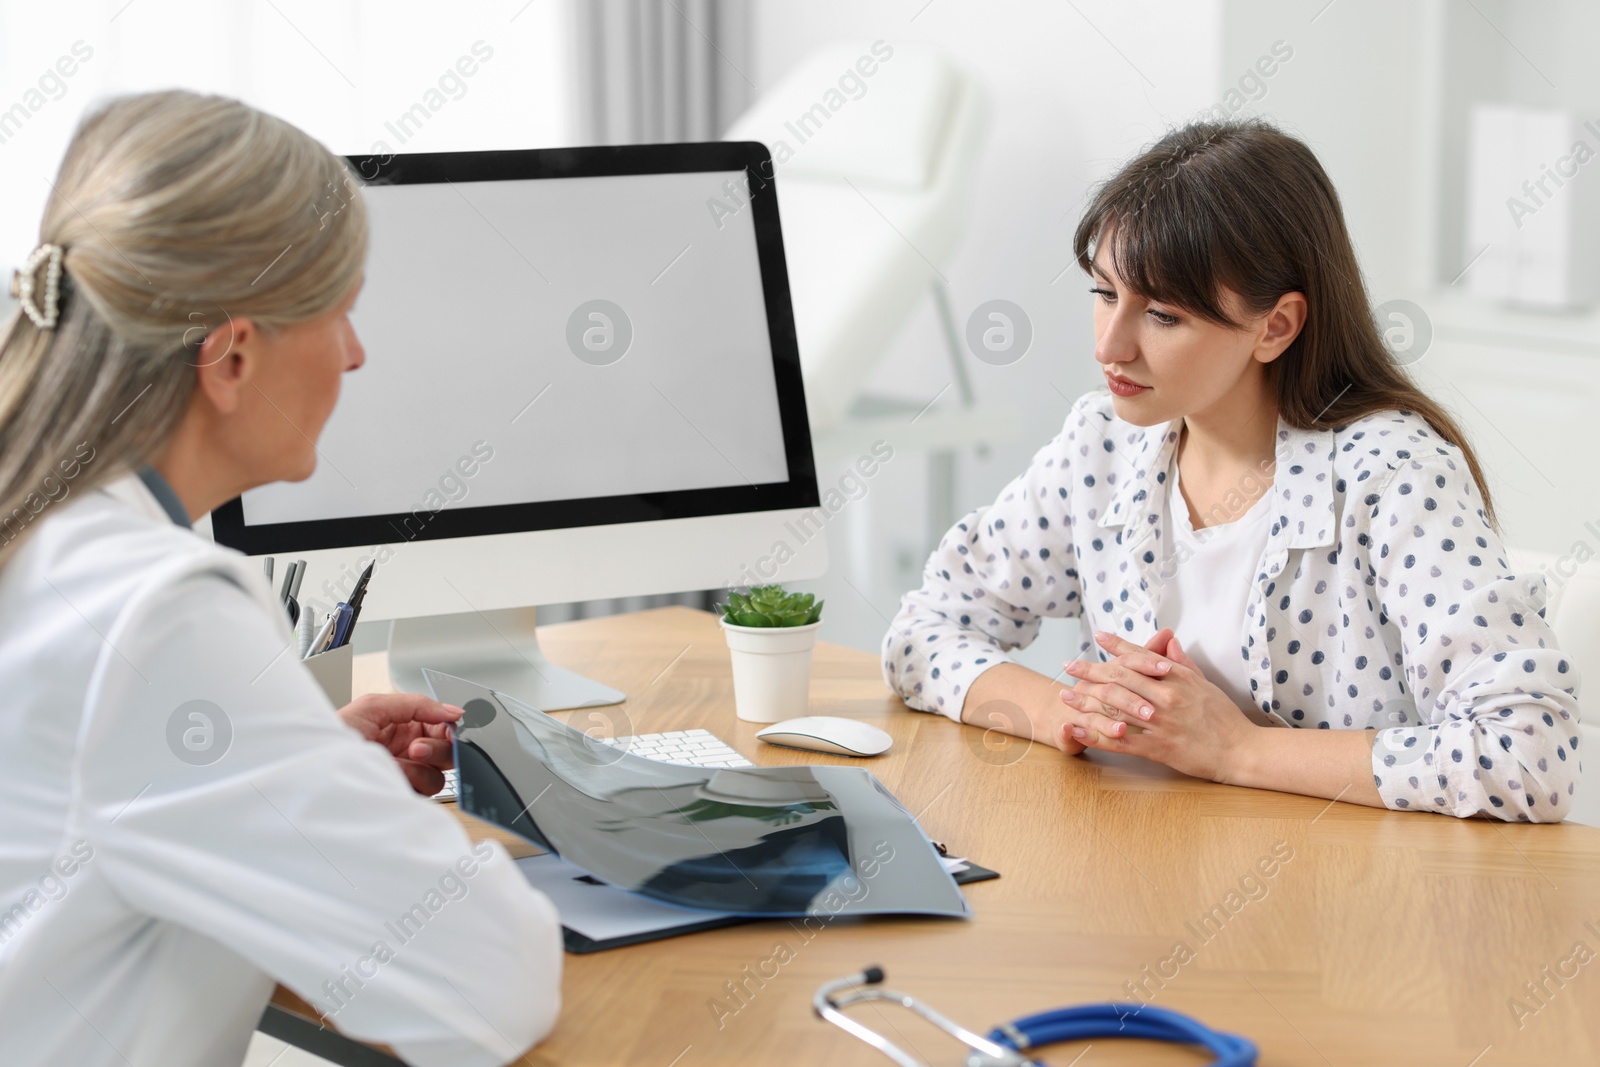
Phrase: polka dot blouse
[1383,601]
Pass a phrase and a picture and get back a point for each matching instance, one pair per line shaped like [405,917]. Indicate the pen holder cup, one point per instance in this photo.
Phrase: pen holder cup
[332,670]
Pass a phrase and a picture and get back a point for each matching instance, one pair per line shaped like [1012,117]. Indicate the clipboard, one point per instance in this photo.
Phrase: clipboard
[638,919]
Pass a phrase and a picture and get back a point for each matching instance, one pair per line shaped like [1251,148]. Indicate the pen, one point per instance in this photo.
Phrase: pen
[319,643]
[345,620]
[303,633]
[266,566]
[283,590]
[359,594]
[291,588]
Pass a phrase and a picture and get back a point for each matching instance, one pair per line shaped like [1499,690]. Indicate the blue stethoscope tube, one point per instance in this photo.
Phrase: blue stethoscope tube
[1005,1045]
[1124,1020]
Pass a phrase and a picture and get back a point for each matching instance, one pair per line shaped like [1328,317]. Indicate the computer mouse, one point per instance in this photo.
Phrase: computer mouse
[828,733]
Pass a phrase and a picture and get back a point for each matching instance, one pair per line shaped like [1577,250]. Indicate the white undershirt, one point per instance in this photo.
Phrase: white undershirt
[1204,602]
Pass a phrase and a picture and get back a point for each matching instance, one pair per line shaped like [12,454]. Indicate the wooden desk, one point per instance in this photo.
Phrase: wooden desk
[1384,938]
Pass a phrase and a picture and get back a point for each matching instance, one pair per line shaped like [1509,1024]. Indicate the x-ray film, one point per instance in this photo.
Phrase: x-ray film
[778,841]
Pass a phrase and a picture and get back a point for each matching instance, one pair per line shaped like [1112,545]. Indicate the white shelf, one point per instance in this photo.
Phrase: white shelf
[1459,316]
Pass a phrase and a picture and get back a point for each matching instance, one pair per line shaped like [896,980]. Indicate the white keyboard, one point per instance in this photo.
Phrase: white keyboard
[697,748]
[694,748]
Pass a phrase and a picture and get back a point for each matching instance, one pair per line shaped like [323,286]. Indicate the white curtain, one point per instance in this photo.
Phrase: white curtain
[661,70]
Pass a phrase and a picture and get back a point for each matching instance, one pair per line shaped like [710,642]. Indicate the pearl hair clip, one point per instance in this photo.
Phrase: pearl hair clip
[22,285]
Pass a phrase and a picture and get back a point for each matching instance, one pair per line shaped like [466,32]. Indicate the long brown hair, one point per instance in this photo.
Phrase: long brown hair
[1240,205]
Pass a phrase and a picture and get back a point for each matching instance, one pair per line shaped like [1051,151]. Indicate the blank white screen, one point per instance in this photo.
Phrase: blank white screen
[464,318]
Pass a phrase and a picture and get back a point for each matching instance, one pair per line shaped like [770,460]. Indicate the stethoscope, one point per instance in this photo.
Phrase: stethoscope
[1005,1044]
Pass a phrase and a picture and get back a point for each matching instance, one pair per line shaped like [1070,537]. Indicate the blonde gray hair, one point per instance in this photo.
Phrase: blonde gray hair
[178,212]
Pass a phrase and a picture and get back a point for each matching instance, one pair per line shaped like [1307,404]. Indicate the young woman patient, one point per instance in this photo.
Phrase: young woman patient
[1264,522]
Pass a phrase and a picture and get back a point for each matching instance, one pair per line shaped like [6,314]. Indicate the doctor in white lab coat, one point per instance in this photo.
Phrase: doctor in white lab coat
[187,820]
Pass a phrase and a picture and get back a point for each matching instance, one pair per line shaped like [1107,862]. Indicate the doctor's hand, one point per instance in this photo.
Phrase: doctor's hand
[1155,702]
[415,730]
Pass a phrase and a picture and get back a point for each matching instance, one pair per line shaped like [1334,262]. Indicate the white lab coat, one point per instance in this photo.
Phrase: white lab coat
[149,903]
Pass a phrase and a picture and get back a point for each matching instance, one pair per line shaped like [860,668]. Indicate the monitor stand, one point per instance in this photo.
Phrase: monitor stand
[498,649]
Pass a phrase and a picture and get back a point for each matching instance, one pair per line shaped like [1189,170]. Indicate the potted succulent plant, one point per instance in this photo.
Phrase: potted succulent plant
[770,636]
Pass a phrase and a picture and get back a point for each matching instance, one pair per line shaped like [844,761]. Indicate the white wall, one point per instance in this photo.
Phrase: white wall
[1352,91]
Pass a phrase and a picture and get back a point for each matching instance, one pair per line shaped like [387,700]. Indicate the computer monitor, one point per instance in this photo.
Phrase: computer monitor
[581,382]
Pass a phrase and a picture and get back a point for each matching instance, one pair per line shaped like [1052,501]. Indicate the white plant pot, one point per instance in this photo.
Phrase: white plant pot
[771,670]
